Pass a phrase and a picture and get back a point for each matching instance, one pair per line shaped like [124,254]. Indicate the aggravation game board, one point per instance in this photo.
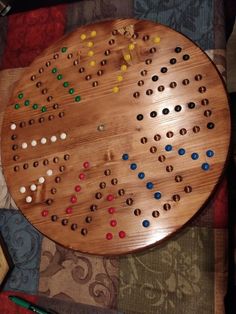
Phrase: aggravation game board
[115,136]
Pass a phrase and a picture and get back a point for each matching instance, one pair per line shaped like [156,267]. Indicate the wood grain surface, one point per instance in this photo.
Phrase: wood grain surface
[115,136]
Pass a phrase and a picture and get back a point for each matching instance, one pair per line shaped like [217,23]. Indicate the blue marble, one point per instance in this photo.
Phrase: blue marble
[149,185]
[194,156]
[168,148]
[205,166]
[133,166]
[157,195]
[125,157]
[146,223]
[210,153]
[141,175]
[181,151]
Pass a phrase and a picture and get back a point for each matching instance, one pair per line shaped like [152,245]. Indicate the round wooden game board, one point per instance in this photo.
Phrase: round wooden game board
[115,136]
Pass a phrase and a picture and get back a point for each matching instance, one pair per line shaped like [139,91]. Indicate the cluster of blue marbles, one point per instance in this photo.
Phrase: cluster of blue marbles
[181,151]
[149,185]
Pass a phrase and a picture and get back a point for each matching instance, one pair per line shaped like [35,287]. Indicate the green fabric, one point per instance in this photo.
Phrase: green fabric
[171,278]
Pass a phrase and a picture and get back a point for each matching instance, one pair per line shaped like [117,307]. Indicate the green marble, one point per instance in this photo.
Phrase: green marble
[77,98]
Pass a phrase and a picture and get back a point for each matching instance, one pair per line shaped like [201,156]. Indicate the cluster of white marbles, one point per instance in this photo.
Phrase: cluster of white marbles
[44,140]
[33,188]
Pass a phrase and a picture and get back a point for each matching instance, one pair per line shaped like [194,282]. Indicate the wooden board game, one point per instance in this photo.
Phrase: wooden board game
[115,136]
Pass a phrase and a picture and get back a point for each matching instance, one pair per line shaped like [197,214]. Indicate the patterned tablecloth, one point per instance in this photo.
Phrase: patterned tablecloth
[187,273]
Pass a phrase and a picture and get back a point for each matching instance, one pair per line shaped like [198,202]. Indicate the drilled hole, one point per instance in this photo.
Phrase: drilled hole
[84,231]
[166,206]
[88,77]
[207,113]
[98,195]
[161,88]
[149,92]
[136,94]
[143,140]
[205,102]
[66,156]
[45,162]
[35,164]
[74,227]
[155,214]
[178,178]
[88,219]
[100,72]
[185,82]
[93,207]
[64,222]
[137,212]
[188,189]
[103,62]
[140,83]
[102,185]
[169,168]
[107,172]
[16,168]
[53,191]
[121,192]
[169,134]
[198,77]
[196,129]
[176,198]
[129,201]
[186,57]
[183,131]
[95,84]
[153,149]
[161,158]
[114,181]
[107,52]
[58,179]
[202,89]
[148,61]
[157,137]
[144,72]
[145,37]
[173,84]
[152,50]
